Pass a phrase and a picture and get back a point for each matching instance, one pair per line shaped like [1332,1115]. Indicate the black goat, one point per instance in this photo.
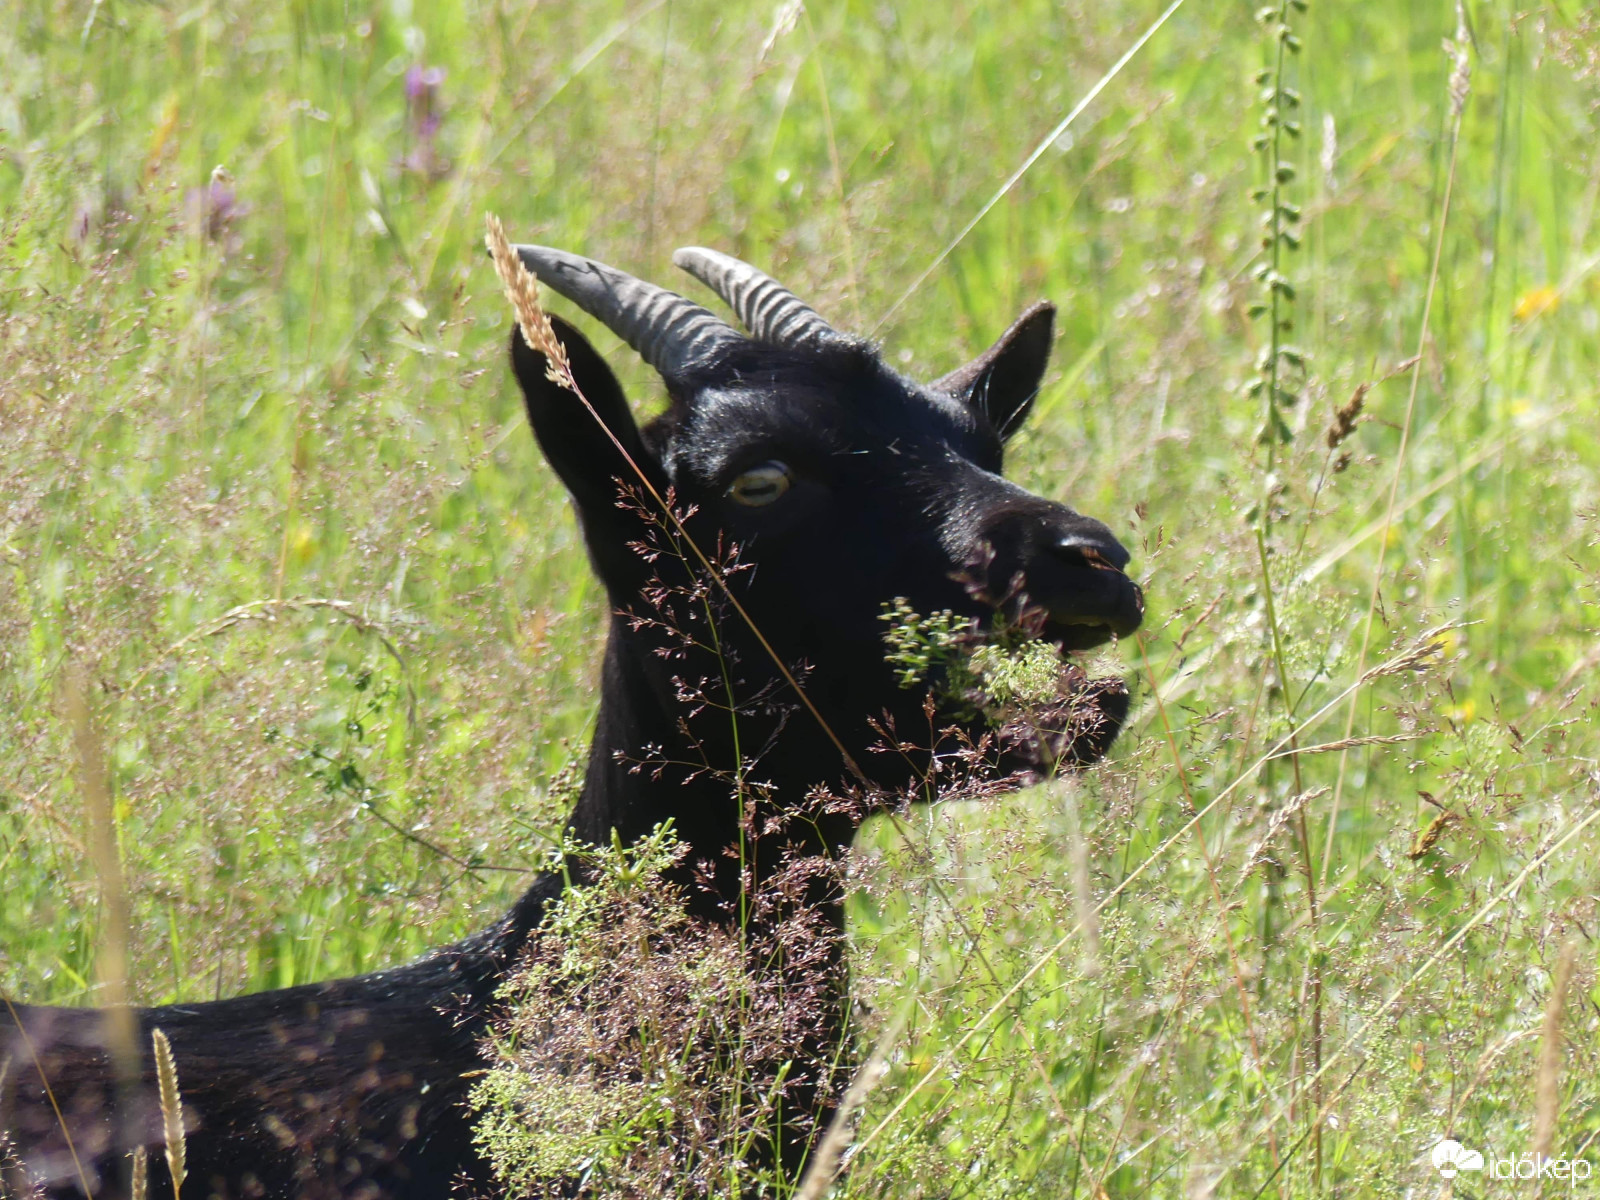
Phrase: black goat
[844,486]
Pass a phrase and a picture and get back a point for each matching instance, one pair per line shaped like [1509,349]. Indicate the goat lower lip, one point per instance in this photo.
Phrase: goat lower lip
[1073,634]
[1107,616]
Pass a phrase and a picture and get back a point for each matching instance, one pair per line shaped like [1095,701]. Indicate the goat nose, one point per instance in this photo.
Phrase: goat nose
[1076,576]
[1092,550]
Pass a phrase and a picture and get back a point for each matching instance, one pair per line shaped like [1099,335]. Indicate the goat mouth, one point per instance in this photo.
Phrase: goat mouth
[1114,607]
[1084,633]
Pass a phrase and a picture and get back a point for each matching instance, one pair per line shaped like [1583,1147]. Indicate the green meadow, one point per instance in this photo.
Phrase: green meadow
[1328,362]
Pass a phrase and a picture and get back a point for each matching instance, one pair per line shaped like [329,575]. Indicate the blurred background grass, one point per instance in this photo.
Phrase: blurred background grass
[283,380]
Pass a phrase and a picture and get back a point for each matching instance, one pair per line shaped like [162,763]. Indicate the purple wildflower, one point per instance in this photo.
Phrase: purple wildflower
[424,116]
[217,205]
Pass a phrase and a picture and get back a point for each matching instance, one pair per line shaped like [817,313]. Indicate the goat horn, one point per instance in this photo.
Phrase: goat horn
[670,333]
[770,311]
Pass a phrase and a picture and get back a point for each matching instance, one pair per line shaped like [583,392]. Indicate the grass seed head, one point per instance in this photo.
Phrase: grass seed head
[522,290]
[171,1109]
[1347,417]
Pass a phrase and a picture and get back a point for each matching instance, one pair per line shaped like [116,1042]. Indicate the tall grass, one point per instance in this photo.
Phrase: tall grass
[278,390]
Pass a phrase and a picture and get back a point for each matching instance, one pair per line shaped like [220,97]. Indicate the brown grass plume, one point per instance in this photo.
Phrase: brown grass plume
[171,1109]
[522,290]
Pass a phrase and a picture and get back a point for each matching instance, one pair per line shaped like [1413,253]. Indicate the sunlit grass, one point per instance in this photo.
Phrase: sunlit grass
[285,382]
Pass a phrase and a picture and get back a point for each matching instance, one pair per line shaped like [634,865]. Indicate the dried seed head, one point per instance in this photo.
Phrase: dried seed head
[1346,418]
[1461,74]
[522,290]
[1429,837]
[1422,654]
[171,1109]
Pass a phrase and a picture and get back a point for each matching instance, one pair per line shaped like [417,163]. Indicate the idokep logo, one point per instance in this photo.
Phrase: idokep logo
[1451,1158]
[1538,1166]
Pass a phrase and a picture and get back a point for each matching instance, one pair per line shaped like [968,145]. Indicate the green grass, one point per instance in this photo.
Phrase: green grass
[310,401]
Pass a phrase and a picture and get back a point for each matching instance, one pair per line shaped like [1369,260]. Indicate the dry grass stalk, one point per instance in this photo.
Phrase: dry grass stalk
[1353,743]
[112,961]
[830,1151]
[139,1185]
[1458,50]
[171,1109]
[1547,1087]
[783,23]
[1423,653]
[1082,906]
[1261,850]
[522,290]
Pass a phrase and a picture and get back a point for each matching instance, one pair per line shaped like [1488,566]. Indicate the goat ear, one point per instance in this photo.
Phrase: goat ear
[589,455]
[1003,381]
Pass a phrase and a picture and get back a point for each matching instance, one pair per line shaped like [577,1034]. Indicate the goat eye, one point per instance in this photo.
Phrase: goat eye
[760,486]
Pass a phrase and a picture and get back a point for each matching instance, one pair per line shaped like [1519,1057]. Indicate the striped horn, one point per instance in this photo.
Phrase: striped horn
[770,311]
[670,333]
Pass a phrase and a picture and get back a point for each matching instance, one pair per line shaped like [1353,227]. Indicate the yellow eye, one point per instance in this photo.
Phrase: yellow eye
[760,486]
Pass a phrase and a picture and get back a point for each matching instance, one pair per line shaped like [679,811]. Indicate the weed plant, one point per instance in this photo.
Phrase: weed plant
[264,484]
[645,1053]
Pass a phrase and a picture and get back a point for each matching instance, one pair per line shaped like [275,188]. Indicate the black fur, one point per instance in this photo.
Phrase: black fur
[354,1088]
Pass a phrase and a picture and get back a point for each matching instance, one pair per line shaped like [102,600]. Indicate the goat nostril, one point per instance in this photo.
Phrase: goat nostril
[1101,555]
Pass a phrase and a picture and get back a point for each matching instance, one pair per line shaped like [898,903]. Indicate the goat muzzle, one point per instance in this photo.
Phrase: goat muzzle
[1079,584]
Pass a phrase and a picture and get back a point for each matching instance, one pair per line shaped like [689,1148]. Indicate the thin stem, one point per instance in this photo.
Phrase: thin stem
[1279,103]
[1394,479]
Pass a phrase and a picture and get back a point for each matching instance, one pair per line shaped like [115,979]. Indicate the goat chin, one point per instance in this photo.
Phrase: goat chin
[800,445]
